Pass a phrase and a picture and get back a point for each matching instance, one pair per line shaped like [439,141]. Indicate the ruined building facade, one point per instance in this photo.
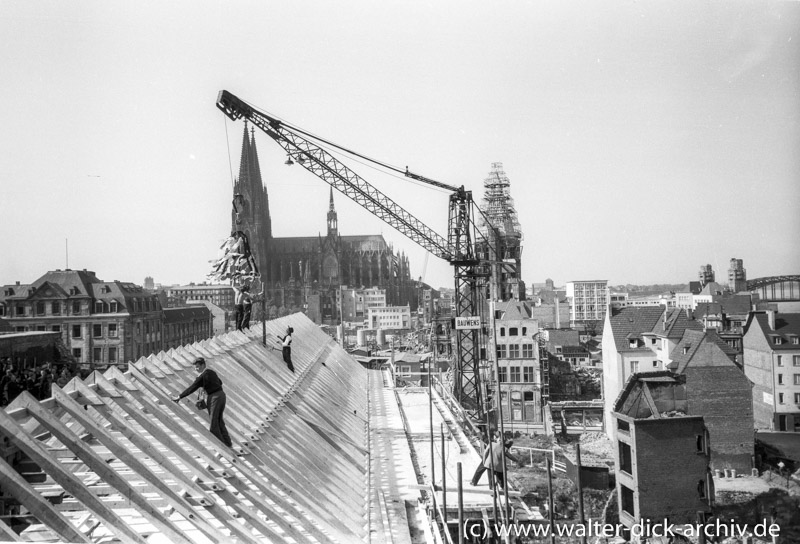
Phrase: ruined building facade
[308,272]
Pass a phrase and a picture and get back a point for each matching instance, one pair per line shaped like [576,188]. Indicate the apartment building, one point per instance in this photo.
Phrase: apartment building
[588,301]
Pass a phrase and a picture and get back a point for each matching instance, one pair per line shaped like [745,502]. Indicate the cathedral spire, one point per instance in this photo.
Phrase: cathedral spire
[333,226]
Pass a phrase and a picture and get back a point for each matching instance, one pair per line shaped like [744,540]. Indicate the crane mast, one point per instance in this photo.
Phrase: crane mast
[458,248]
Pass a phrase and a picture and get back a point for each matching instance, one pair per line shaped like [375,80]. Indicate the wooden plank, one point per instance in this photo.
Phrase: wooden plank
[141,469]
[70,483]
[105,472]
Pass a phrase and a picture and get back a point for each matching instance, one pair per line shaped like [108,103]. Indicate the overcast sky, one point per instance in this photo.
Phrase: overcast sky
[642,139]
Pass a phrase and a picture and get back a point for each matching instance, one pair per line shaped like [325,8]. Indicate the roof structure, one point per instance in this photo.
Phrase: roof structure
[673,324]
[653,395]
[787,327]
[631,322]
[112,458]
[332,453]
[686,350]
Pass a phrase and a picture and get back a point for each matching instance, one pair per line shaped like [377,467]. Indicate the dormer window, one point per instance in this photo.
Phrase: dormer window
[633,343]
[114,306]
[778,340]
[74,291]
[686,349]
[9,292]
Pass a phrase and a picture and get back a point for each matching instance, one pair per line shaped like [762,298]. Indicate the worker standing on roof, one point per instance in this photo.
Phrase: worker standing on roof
[212,384]
[494,461]
[286,342]
[247,304]
[238,301]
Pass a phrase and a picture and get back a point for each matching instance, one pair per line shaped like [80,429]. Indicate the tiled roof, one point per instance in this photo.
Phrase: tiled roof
[787,327]
[675,324]
[513,310]
[691,342]
[731,305]
[631,322]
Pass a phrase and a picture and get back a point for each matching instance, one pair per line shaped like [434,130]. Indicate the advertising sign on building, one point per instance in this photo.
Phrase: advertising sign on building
[468,323]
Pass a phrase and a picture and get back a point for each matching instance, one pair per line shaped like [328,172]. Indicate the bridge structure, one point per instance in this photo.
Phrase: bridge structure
[776,288]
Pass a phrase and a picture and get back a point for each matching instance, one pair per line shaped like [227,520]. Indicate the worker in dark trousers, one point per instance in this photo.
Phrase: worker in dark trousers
[481,469]
[247,304]
[286,345]
[498,450]
[238,305]
[212,384]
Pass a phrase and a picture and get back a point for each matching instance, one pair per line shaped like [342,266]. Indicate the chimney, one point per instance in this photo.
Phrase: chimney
[771,318]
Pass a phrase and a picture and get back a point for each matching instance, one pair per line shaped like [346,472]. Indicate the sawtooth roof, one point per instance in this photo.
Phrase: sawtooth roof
[112,458]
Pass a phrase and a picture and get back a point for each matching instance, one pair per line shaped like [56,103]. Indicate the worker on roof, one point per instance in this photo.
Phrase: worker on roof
[481,469]
[238,301]
[212,385]
[286,347]
[494,461]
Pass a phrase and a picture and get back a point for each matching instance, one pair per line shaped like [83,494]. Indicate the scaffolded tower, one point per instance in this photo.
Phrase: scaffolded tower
[502,242]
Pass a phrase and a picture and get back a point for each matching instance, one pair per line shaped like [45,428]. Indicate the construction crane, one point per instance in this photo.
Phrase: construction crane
[458,248]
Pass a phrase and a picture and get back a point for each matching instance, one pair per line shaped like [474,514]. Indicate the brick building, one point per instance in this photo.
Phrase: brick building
[717,389]
[662,459]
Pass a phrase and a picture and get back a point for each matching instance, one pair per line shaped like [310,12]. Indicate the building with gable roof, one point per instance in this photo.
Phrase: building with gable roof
[307,272]
[717,389]
[100,322]
[666,334]
[652,422]
[771,346]
[626,350]
[523,382]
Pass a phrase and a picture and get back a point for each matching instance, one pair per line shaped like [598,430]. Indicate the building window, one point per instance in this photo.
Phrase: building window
[515,374]
[513,351]
[634,367]
[797,398]
[41,328]
[114,307]
[56,308]
[76,352]
[702,443]
[623,426]
[625,459]
[528,375]
[76,307]
[780,360]
[97,355]
[112,354]
[112,330]
[76,331]
[797,379]
[502,374]
[780,398]
[56,328]
[501,351]
[780,379]
[502,331]
[527,351]
[795,360]
[405,371]
[20,310]
[701,489]
[513,331]
[655,364]
[524,331]
[97,330]
[40,308]
[778,340]
[653,341]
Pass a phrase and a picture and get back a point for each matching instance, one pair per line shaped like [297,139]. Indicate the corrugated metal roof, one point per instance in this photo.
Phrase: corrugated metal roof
[113,458]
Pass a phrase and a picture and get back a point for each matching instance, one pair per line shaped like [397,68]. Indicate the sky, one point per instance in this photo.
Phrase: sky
[642,139]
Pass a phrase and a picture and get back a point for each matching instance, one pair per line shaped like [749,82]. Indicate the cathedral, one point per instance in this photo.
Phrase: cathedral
[309,273]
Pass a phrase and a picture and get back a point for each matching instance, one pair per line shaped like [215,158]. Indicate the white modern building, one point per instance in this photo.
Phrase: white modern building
[588,301]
